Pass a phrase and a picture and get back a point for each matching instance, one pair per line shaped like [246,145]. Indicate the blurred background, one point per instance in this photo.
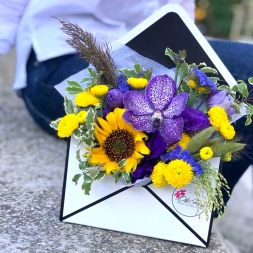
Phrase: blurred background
[226,19]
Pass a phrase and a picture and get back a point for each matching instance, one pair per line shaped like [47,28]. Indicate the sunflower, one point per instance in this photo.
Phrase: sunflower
[118,140]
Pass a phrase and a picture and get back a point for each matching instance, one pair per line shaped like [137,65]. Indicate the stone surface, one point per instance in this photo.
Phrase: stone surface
[32,167]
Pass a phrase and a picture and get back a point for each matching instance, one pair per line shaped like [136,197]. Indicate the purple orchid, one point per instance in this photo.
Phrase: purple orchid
[158,109]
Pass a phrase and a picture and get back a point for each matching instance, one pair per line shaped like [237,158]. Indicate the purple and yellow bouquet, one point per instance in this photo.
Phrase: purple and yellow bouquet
[135,125]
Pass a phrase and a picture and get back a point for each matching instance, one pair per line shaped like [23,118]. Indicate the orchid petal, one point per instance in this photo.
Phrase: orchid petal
[171,130]
[136,102]
[176,106]
[160,91]
[143,123]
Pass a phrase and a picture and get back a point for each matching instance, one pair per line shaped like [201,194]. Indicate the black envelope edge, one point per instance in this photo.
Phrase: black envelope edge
[65,179]
[177,216]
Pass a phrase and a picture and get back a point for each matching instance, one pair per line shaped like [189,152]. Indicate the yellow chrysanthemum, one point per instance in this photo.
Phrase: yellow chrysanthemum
[178,173]
[81,116]
[182,143]
[227,157]
[118,140]
[85,99]
[192,84]
[137,83]
[67,125]
[227,131]
[157,176]
[206,153]
[217,116]
[99,90]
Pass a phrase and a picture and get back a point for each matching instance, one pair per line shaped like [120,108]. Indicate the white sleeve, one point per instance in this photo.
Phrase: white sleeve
[11,12]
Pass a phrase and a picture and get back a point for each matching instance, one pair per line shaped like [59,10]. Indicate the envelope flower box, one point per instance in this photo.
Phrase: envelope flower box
[147,135]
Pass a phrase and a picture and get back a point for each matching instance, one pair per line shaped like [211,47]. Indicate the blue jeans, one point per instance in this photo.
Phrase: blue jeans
[42,100]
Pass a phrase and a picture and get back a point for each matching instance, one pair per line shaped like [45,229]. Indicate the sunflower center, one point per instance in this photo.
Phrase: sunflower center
[119,145]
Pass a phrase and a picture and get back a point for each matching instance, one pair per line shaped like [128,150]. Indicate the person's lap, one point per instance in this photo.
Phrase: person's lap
[45,104]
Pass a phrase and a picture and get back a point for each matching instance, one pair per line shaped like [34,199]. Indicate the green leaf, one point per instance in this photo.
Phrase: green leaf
[250,80]
[54,124]
[78,157]
[126,177]
[249,120]
[237,108]
[214,79]
[100,175]
[224,87]
[74,84]
[73,90]
[86,187]
[87,178]
[90,118]
[138,68]
[122,163]
[208,70]
[148,74]
[242,88]
[185,87]
[77,133]
[68,106]
[172,55]
[76,178]
[128,72]
[223,148]
[92,72]
[183,70]
[82,165]
[93,171]
[116,176]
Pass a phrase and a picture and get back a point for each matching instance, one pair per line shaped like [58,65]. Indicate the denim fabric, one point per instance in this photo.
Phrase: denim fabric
[42,100]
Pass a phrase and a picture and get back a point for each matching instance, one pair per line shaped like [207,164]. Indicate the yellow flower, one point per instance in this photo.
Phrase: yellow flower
[178,173]
[85,99]
[182,143]
[137,83]
[227,157]
[99,90]
[227,131]
[206,153]
[192,84]
[157,176]
[217,116]
[81,116]
[67,125]
[201,89]
[118,140]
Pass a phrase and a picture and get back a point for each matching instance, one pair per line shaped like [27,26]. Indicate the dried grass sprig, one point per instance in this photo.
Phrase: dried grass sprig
[96,53]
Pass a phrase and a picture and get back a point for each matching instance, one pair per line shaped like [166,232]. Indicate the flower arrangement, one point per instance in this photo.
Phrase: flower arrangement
[133,124]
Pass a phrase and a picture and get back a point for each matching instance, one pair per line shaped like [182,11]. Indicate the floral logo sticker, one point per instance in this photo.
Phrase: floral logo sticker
[187,203]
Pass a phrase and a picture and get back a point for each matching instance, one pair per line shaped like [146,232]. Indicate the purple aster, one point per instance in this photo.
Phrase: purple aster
[158,109]
[123,84]
[203,79]
[156,146]
[194,119]
[221,98]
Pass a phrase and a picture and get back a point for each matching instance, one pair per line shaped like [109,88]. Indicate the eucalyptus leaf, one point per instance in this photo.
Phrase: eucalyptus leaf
[237,108]
[122,163]
[242,88]
[86,187]
[76,178]
[224,87]
[183,70]
[214,79]
[248,120]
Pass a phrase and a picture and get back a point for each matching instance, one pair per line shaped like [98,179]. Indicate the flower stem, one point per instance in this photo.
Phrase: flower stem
[176,74]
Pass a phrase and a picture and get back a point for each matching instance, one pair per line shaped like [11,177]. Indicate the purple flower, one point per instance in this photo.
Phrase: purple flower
[158,109]
[156,146]
[203,79]
[123,84]
[221,98]
[114,98]
[194,119]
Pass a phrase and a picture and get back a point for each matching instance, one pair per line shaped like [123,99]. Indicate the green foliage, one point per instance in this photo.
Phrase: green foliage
[74,88]
[69,106]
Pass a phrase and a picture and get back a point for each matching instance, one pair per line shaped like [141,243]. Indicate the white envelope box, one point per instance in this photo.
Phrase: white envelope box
[164,213]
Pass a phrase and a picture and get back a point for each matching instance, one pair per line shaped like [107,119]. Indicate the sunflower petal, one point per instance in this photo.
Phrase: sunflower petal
[105,125]
[98,157]
[119,118]
[142,148]
[100,137]
[111,118]
[129,164]
[110,166]
[136,155]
